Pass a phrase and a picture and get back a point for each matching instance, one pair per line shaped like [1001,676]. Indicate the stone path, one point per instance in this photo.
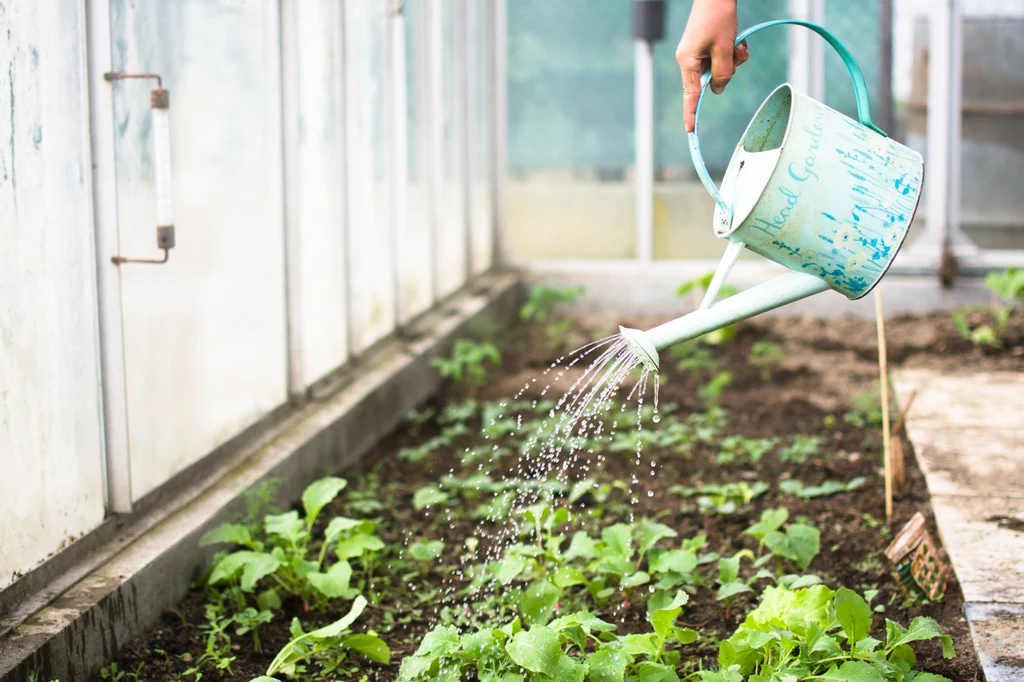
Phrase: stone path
[968,433]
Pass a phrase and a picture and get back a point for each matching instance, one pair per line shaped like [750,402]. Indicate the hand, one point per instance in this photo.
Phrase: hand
[709,37]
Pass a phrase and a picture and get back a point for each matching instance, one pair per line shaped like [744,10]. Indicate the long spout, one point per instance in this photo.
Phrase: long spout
[770,295]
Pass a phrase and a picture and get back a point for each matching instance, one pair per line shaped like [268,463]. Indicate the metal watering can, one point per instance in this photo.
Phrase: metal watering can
[828,197]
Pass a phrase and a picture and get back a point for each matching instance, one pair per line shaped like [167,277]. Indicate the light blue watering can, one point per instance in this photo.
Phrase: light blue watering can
[828,197]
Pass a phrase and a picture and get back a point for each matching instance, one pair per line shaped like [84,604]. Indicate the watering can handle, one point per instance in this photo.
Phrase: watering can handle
[860,90]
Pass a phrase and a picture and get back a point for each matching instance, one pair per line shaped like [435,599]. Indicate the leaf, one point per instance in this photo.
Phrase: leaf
[663,618]
[232,533]
[853,671]
[729,590]
[639,645]
[649,671]
[254,566]
[583,619]
[728,569]
[607,665]
[635,580]
[357,545]
[567,577]
[428,496]
[538,603]
[339,525]
[675,561]
[268,600]
[509,568]
[651,533]
[440,641]
[800,543]
[287,526]
[853,613]
[536,649]
[426,550]
[319,494]
[618,539]
[566,670]
[930,677]
[334,583]
[371,646]
[771,520]
[342,624]
[582,546]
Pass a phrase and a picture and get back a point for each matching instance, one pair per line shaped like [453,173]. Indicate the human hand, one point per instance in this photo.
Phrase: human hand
[710,36]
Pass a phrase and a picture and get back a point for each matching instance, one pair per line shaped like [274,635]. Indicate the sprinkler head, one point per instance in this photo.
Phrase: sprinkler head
[641,346]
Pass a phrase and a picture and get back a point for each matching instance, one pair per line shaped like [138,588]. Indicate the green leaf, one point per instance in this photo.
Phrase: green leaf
[583,619]
[651,533]
[357,545]
[428,496]
[509,568]
[339,626]
[371,646]
[607,665]
[648,671]
[567,577]
[536,649]
[566,670]
[771,520]
[728,569]
[903,657]
[618,539]
[538,603]
[639,645]
[929,677]
[675,561]
[635,580]
[853,671]
[268,600]
[426,550]
[319,494]
[335,582]
[729,590]
[800,543]
[441,641]
[854,615]
[287,526]
[264,678]
[254,566]
[582,546]
[663,619]
[232,533]
[339,525]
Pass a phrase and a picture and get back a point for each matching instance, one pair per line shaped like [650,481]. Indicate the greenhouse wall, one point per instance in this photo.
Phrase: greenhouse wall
[333,177]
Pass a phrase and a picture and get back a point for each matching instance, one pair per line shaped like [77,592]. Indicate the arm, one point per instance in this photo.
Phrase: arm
[709,38]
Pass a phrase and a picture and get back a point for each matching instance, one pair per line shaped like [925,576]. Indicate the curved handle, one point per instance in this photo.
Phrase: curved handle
[860,90]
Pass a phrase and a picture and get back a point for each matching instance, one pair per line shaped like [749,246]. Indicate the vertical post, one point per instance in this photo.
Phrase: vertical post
[499,123]
[292,215]
[648,28]
[644,151]
[342,82]
[807,50]
[463,125]
[435,136]
[114,391]
[942,181]
[400,153]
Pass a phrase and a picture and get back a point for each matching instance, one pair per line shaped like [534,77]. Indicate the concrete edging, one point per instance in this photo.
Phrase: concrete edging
[156,557]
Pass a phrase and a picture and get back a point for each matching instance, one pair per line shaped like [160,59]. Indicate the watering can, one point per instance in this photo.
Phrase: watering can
[826,196]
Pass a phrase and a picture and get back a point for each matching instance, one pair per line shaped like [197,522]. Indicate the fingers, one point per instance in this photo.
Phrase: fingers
[691,68]
[740,54]
[722,66]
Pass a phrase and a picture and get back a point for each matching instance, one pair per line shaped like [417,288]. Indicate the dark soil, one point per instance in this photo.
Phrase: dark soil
[827,365]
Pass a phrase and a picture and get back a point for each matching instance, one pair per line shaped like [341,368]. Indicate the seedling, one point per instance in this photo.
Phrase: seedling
[801,449]
[765,356]
[1007,289]
[468,362]
[795,487]
[697,287]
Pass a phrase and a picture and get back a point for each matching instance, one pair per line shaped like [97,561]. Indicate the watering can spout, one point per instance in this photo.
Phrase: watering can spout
[788,288]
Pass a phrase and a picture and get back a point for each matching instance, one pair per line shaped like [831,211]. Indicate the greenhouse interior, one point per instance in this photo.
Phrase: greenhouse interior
[415,340]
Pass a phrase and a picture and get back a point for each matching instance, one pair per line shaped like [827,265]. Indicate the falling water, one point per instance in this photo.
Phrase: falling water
[563,442]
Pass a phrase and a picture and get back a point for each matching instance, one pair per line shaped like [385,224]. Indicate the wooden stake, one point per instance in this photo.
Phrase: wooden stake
[883,371]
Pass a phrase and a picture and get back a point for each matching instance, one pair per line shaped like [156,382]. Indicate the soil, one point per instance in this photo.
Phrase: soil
[827,365]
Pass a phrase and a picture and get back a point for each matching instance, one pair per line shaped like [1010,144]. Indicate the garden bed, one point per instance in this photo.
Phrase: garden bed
[797,428]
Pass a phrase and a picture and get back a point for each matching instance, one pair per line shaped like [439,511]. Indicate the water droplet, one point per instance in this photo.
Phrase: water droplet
[650,493]
[657,418]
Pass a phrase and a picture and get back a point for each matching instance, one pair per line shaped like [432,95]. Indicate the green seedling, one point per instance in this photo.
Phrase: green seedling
[765,356]
[722,498]
[753,449]
[801,449]
[1007,289]
[794,487]
[468,362]
[327,646]
[814,633]
[284,553]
